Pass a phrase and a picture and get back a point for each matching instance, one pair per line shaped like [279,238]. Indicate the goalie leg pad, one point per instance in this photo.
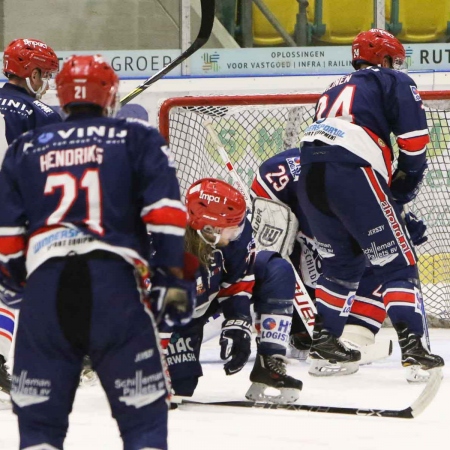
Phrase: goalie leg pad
[362,339]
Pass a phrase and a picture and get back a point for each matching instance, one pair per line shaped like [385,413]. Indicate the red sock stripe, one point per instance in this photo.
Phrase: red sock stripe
[7,336]
[7,313]
[370,311]
[329,298]
[399,297]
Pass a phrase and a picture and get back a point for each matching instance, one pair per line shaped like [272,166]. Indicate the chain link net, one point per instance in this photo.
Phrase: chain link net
[253,133]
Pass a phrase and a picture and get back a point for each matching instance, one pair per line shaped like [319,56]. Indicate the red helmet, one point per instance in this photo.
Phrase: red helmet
[372,46]
[87,79]
[213,202]
[22,56]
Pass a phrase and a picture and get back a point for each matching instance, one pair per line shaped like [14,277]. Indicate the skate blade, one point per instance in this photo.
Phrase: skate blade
[256,393]
[299,355]
[88,378]
[415,374]
[324,368]
[5,403]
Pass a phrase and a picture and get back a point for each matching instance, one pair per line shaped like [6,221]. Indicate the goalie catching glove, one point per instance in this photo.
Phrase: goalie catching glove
[235,342]
[405,186]
[173,299]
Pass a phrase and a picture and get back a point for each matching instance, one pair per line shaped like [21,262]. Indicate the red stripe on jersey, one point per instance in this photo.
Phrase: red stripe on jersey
[7,336]
[9,245]
[329,298]
[237,288]
[385,150]
[399,297]
[7,313]
[259,190]
[367,310]
[413,144]
[166,216]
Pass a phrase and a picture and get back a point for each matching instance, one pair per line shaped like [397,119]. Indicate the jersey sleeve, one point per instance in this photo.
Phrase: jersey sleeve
[12,221]
[237,285]
[410,127]
[162,212]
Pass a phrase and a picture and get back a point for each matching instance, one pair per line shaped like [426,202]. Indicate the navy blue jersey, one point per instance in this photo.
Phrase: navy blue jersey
[21,112]
[90,183]
[276,179]
[356,115]
[229,279]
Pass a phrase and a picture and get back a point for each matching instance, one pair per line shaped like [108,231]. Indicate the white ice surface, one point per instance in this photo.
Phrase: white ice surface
[381,385]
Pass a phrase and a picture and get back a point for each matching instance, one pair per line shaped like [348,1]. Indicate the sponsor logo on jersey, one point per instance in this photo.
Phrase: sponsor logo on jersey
[43,107]
[45,137]
[294,166]
[6,103]
[415,94]
[325,130]
[180,351]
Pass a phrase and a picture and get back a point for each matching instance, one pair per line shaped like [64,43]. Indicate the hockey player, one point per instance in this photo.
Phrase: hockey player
[221,237]
[352,199]
[276,179]
[77,200]
[28,64]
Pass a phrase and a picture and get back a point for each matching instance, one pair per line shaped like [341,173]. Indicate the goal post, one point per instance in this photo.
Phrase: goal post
[253,128]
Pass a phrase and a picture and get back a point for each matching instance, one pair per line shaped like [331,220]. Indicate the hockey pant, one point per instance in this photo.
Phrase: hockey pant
[7,323]
[272,299]
[351,229]
[87,305]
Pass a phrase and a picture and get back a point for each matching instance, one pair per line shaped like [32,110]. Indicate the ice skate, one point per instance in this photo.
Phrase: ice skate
[330,357]
[88,377]
[5,378]
[269,371]
[417,359]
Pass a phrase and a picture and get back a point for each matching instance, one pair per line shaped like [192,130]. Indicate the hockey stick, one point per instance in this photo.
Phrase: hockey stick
[302,302]
[425,398]
[206,25]
[426,330]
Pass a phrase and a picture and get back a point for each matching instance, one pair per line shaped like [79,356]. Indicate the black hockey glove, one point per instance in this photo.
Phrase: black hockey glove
[405,186]
[416,228]
[235,341]
[172,299]
[10,292]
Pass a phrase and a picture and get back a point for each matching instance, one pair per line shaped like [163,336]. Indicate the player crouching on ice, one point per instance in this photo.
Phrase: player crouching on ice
[219,234]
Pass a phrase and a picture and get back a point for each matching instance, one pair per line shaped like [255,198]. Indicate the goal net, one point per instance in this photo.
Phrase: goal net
[254,128]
